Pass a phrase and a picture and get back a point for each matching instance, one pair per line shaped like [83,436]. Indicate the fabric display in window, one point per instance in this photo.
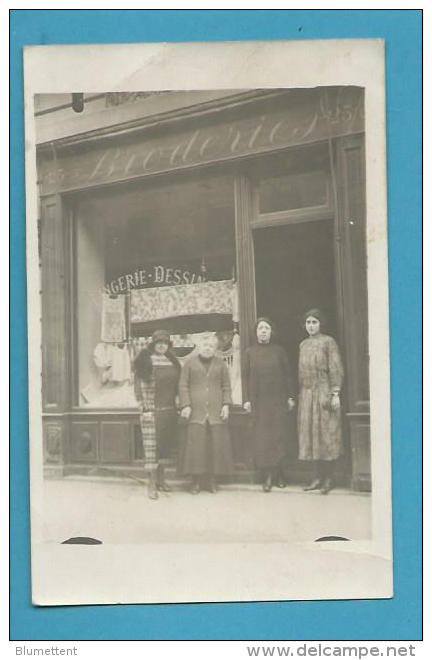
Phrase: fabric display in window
[235,303]
[120,363]
[102,356]
[182,300]
[114,361]
[113,318]
[231,357]
[112,387]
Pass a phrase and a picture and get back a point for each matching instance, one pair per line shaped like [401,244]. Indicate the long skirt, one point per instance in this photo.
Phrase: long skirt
[319,427]
[166,433]
[270,431]
[158,436]
[205,449]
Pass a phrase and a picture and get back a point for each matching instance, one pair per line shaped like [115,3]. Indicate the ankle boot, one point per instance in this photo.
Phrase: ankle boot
[195,487]
[327,486]
[280,479]
[267,485]
[161,483]
[314,485]
[151,486]
[212,484]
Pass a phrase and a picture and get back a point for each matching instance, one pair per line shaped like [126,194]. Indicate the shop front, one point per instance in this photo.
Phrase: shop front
[200,219]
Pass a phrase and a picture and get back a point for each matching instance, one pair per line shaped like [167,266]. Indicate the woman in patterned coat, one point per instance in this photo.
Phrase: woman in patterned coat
[157,373]
[319,415]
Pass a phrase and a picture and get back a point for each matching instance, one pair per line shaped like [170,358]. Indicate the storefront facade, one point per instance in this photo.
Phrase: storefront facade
[257,198]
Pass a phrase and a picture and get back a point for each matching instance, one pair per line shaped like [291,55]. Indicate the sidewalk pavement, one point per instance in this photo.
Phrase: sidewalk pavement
[119,511]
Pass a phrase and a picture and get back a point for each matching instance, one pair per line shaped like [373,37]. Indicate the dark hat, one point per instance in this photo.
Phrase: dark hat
[161,335]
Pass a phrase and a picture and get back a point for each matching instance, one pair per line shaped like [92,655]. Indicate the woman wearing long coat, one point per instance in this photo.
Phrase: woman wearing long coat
[205,398]
[269,391]
[157,373]
[319,416]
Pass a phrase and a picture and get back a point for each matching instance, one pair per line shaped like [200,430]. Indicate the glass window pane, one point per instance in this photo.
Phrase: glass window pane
[174,246]
[293,191]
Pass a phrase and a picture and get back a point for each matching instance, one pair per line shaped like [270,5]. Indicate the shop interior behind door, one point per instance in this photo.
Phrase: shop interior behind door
[294,267]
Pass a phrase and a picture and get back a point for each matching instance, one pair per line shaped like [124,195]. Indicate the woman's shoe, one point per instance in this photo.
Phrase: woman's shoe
[164,487]
[161,483]
[152,488]
[281,483]
[195,488]
[315,485]
[212,485]
[152,491]
[267,485]
[327,486]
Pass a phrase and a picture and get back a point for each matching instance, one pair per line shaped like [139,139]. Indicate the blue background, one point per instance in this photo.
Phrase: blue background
[396,619]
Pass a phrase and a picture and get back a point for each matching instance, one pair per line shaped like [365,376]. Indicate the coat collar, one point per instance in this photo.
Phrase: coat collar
[202,365]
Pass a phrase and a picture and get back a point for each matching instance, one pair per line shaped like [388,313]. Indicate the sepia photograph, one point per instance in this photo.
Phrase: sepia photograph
[209,334]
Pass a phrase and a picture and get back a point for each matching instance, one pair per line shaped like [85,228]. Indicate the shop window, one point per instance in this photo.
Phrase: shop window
[149,258]
[293,191]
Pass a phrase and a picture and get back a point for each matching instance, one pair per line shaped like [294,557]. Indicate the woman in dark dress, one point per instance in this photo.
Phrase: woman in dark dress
[157,373]
[269,397]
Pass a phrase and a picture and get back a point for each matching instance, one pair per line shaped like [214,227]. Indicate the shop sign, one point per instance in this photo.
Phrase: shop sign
[156,275]
[306,116]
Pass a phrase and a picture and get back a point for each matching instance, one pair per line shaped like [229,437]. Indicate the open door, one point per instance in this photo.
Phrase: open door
[295,271]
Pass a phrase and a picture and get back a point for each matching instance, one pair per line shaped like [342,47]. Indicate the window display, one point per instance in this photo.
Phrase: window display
[147,258]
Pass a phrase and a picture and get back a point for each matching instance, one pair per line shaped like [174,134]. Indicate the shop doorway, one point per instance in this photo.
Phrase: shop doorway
[295,271]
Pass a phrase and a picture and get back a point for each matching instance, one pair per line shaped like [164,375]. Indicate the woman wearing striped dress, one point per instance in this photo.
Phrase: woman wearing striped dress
[157,373]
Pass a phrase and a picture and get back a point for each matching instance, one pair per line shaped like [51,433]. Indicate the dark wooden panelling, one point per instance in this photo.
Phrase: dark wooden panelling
[54,334]
[116,442]
[360,447]
[83,447]
[53,440]
[351,232]
[244,213]
[137,445]
[352,290]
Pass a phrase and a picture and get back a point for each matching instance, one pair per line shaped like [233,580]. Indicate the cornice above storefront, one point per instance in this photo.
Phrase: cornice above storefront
[249,124]
[111,122]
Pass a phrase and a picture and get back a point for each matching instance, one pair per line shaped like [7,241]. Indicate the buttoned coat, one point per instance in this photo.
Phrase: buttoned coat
[205,388]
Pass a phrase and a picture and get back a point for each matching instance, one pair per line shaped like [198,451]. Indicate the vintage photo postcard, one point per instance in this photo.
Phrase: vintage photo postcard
[208,322]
